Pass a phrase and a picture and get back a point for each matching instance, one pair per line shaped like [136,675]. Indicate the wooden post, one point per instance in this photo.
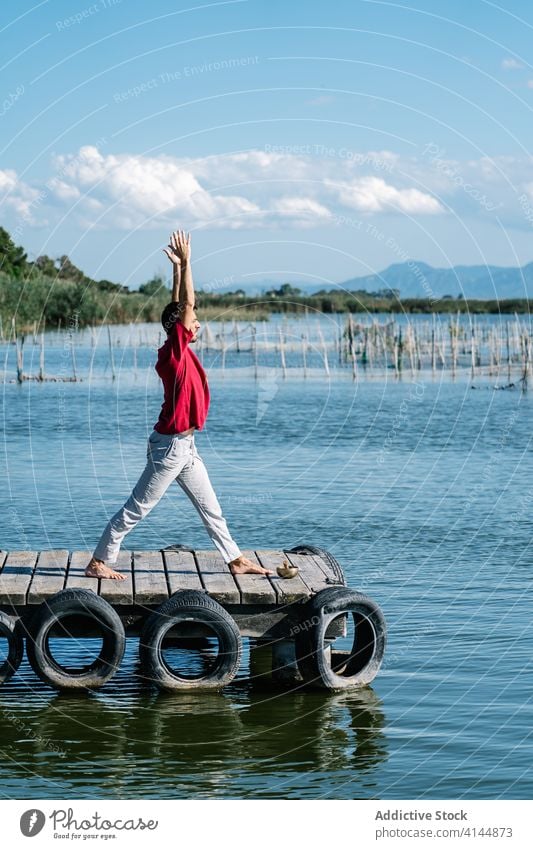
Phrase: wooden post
[41,358]
[223,346]
[351,338]
[282,352]
[111,352]
[304,342]
[411,349]
[73,355]
[19,345]
[323,343]
[473,350]
[254,348]
[508,350]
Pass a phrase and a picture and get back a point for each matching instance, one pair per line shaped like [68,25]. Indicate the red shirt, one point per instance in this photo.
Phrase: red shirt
[184,381]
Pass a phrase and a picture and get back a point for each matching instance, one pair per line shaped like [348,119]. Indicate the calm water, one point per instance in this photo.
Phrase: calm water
[424,493]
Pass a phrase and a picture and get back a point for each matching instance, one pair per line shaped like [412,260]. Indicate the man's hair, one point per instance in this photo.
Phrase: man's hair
[170,315]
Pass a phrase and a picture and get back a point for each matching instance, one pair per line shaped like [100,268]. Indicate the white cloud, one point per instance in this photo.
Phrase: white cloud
[294,186]
[373,194]
[18,196]
[241,190]
[138,189]
[302,212]
[510,64]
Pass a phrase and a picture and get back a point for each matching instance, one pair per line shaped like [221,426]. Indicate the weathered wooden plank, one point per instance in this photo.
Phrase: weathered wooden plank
[182,572]
[119,592]
[16,575]
[288,590]
[75,572]
[310,572]
[3,556]
[327,569]
[217,578]
[255,589]
[149,578]
[49,575]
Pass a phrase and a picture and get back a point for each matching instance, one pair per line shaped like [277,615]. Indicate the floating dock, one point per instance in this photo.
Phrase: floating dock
[298,618]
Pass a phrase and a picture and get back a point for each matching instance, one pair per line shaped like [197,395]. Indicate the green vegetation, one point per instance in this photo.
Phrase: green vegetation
[52,292]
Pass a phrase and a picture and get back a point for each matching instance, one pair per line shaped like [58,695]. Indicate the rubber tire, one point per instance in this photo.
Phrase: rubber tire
[303,548]
[11,630]
[66,603]
[185,605]
[363,664]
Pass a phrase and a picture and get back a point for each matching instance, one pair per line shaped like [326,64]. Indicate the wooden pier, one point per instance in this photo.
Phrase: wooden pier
[40,588]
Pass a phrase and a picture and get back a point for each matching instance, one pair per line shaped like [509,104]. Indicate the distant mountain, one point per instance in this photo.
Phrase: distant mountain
[416,279]
[420,280]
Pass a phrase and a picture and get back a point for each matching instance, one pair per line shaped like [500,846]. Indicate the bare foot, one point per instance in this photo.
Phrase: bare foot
[244,566]
[98,569]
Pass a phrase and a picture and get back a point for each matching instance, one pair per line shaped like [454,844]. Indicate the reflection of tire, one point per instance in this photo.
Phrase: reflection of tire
[361,664]
[70,603]
[321,552]
[190,606]
[11,630]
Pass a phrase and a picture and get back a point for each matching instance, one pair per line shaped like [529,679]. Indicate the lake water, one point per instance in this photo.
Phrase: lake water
[423,491]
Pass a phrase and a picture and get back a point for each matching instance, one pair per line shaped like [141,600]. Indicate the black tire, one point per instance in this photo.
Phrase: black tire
[73,602]
[303,548]
[187,606]
[346,670]
[11,630]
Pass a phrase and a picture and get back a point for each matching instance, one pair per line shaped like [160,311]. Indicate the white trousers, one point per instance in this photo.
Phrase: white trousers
[170,457]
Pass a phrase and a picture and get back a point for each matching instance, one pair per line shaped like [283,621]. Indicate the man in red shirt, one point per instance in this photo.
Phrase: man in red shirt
[171,453]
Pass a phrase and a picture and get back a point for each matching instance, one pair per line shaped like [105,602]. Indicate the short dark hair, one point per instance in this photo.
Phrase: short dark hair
[170,315]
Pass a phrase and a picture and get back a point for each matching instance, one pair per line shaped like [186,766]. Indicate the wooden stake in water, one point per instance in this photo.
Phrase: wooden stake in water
[473,350]
[223,345]
[282,352]
[351,341]
[324,349]
[19,344]
[254,348]
[41,358]
[111,352]
[508,351]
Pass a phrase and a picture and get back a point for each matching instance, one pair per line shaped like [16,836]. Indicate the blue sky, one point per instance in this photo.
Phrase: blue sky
[309,142]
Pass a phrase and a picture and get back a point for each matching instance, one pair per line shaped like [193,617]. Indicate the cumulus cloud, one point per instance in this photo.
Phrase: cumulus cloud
[374,194]
[19,197]
[140,189]
[243,190]
[284,186]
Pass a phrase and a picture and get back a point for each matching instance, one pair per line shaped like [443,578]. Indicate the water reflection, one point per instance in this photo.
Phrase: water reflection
[192,744]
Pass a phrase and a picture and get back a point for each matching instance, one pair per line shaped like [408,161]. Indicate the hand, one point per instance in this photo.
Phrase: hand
[179,249]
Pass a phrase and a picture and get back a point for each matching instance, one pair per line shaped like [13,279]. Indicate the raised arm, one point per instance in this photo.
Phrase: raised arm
[179,253]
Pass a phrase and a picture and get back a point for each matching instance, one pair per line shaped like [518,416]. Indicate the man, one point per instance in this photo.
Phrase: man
[171,453]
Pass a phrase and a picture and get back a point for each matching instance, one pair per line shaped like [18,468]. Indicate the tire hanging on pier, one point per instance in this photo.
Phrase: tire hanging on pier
[333,670]
[65,604]
[336,567]
[11,630]
[190,607]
